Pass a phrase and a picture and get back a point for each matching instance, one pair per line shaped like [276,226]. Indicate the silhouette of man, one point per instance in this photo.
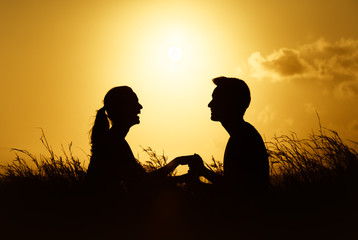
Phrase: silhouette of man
[246,168]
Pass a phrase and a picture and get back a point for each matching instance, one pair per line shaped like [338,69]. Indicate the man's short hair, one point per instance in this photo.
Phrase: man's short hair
[236,90]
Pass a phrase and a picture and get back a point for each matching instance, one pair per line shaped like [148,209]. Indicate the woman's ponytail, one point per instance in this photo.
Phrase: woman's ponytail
[100,128]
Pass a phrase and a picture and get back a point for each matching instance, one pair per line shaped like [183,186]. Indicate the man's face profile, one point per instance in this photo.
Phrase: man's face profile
[220,105]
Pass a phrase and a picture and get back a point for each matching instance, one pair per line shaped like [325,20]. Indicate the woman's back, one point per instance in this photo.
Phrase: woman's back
[113,165]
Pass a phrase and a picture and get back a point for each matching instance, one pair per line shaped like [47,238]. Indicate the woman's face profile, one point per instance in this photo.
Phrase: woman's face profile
[124,108]
[132,110]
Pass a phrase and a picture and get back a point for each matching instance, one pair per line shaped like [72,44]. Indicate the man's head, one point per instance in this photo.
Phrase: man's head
[230,98]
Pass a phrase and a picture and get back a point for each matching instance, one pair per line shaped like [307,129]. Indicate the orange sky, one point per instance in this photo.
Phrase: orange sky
[59,58]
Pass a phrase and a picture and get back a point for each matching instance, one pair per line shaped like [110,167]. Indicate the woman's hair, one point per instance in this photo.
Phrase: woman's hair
[100,128]
[114,98]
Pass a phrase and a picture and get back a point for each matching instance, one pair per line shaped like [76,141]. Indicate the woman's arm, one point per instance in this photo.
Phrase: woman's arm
[167,169]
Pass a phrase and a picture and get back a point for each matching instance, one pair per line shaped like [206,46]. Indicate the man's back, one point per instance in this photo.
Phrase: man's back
[246,165]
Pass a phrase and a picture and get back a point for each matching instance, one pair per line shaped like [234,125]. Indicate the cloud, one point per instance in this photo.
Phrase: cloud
[353,126]
[267,115]
[280,64]
[347,90]
[331,64]
[310,108]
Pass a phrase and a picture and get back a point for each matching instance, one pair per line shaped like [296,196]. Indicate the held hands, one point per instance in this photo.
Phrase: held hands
[197,169]
[195,163]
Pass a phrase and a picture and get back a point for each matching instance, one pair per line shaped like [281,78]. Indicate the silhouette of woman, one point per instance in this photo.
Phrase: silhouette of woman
[112,165]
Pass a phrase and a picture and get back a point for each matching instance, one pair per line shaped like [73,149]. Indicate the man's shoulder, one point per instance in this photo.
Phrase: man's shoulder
[249,130]
[248,125]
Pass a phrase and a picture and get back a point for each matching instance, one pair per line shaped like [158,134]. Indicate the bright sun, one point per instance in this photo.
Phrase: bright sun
[175,53]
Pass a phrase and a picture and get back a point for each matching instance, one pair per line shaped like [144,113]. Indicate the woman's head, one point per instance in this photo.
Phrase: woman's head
[122,106]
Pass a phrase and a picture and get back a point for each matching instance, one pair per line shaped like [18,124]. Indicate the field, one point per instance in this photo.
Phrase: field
[313,194]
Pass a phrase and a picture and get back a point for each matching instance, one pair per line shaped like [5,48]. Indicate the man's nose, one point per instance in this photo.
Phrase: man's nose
[209,105]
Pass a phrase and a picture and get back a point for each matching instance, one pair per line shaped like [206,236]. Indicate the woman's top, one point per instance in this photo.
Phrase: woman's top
[113,165]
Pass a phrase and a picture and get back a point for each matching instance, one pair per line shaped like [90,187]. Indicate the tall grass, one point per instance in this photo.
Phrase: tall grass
[321,165]
[318,174]
[321,156]
[50,171]
[155,161]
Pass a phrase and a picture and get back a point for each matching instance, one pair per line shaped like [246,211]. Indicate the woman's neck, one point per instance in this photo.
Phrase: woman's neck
[119,130]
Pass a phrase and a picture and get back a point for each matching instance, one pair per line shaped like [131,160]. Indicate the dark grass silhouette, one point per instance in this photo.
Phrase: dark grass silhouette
[313,195]
[315,181]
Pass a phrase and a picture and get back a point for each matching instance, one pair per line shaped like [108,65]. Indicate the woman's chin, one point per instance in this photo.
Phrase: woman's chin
[136,120]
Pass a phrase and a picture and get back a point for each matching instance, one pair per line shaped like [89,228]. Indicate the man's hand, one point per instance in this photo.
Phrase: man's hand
[196,165]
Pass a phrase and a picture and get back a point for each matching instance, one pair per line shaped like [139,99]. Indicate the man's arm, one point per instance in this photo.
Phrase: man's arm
[196,166]
[213,177]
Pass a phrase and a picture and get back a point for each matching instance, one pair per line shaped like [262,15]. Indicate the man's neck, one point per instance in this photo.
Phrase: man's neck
[232,125]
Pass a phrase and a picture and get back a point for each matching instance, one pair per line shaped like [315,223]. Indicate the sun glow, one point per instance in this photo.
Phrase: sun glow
[175,53]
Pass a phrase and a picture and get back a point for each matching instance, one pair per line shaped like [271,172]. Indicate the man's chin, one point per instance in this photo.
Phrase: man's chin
[213,118]
[135,121]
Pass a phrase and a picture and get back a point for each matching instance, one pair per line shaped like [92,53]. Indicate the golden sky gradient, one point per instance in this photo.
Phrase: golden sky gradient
[59,58]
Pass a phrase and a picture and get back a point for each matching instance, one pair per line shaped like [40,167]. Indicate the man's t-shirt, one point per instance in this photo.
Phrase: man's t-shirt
[246,165]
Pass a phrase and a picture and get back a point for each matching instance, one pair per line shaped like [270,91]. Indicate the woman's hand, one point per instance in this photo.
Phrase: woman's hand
[196,164]
[183,160]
